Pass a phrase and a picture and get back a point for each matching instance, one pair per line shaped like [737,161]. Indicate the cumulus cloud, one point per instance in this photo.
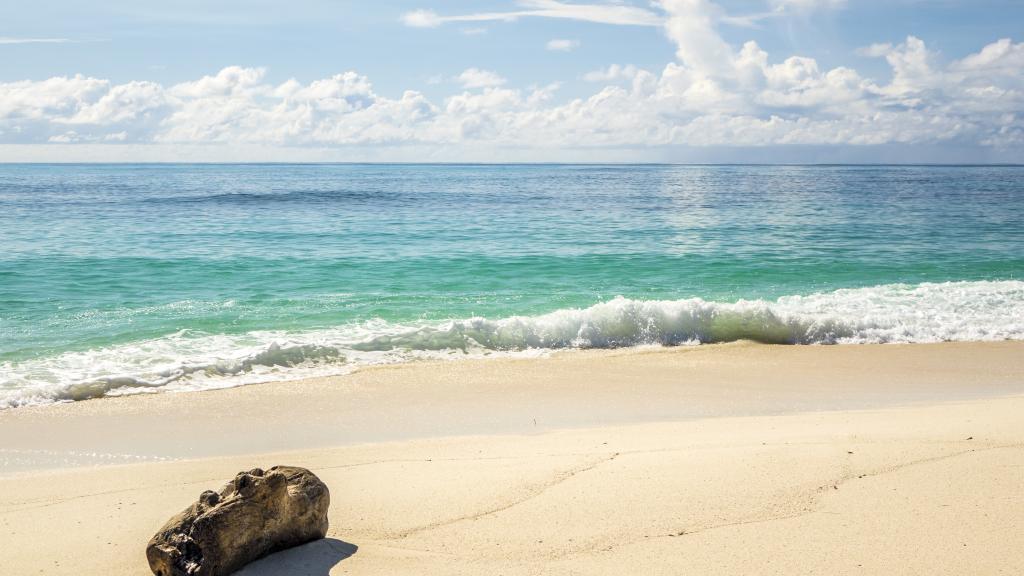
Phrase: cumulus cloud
[1002,57]
[562,45]
[875,50]
[713,93]
[476,78]
[691,25]
[613,73]
[48,100]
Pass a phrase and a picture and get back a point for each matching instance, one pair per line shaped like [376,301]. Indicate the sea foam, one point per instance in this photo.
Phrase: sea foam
[186,360]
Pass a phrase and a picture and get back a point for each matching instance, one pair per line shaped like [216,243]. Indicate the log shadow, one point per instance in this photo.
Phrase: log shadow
[313,559]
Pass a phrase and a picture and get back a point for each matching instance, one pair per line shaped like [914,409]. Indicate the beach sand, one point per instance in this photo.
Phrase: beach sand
[730,459]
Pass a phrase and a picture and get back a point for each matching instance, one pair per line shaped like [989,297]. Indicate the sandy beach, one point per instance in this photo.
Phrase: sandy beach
[725,459]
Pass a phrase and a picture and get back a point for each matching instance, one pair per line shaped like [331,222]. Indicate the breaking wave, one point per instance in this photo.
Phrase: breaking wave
[932,312]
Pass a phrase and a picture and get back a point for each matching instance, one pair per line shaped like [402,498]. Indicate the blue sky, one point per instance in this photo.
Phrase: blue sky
[672,80]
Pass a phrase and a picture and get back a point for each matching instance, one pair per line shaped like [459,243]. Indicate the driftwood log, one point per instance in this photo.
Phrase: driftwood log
[256,514]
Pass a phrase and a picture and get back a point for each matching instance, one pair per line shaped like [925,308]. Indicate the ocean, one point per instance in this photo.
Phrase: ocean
[134,278]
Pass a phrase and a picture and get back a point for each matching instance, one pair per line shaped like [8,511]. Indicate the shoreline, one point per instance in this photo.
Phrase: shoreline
[186,360]
[728,459]
[506,395]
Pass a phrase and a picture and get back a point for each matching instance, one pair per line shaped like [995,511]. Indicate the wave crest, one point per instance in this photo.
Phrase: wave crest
[953,311]
[880,314]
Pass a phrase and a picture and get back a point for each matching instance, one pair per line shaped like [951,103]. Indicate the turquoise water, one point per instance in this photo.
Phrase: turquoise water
[127,278]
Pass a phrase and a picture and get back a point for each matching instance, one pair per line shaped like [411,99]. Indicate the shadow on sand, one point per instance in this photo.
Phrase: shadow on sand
[313,559]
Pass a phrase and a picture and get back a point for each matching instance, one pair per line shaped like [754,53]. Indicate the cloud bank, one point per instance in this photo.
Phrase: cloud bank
[712,95]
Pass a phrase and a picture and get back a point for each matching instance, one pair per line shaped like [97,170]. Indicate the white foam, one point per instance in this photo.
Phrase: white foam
[953,311]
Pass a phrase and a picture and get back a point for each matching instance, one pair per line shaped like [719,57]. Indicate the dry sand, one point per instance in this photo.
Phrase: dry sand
[738,459]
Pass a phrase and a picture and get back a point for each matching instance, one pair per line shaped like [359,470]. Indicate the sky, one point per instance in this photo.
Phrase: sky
[804,81]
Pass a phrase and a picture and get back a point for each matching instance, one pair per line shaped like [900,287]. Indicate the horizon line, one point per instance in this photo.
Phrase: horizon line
[287,163]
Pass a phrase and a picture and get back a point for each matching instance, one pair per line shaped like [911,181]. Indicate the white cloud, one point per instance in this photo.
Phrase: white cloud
[422,19]
[875,50]
[476,78]
[618,13]
[229,81]
[600,13]
[613,73]
[779,9]
[122,103]
[49,99]
[691,25]
[806,5]
[1000,57]
[562,45]
[10,40]
[65,138]
[912,71]
[714,94]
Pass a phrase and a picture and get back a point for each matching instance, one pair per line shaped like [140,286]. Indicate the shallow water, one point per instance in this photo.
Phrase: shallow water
[128,278]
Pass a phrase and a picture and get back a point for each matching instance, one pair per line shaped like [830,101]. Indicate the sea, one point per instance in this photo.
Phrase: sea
[144,278]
